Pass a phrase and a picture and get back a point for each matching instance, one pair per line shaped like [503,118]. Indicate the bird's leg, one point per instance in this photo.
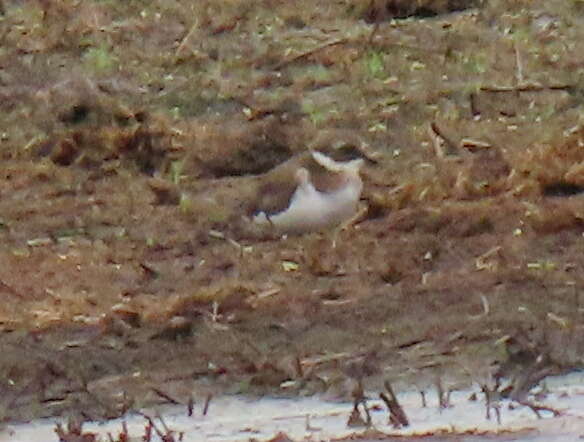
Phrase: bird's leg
[345,225]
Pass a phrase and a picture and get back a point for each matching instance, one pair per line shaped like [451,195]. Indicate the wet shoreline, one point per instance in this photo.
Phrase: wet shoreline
[236,418]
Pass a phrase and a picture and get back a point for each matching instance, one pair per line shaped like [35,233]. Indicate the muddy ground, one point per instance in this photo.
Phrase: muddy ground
[134,134]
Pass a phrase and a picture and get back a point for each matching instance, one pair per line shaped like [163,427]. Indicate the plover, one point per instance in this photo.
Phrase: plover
[310,193]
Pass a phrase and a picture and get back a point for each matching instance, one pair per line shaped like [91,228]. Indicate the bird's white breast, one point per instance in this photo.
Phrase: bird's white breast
[312,210]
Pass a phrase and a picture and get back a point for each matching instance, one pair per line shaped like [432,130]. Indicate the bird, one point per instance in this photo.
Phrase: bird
[310,193]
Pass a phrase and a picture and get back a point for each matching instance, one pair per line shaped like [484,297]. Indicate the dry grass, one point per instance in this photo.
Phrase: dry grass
[134,134]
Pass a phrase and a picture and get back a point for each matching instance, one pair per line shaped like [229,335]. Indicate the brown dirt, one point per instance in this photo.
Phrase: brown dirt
[132,137]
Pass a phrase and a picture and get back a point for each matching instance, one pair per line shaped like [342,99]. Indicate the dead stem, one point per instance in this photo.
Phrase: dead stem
[536,408]
[397,415]
[186,38]
[190,407]
[526,88]
[207,404]
[309,53]
[443,395]
[165,396]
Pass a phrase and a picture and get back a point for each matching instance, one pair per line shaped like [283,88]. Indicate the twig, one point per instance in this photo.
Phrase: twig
[165,396]
[207,404]
[423,396]
[150,422]
[440,141]
[148,432]
[526,88]
[497,409]
[309,53]
[166,429]
[298,367]
[474,145]
[481,262]
[74,431]
[355,419]
[443,396]
[10,289]
[491,403]
[474,108]
[190,407]
[536,408]
[317,360]
[519,65]
[397,415]
[486,308]
[123,436]
[186,38]
[308,426]
[373,32]
[528,378]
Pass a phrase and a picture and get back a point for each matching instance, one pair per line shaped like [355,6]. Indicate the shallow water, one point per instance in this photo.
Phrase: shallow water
[235,418]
